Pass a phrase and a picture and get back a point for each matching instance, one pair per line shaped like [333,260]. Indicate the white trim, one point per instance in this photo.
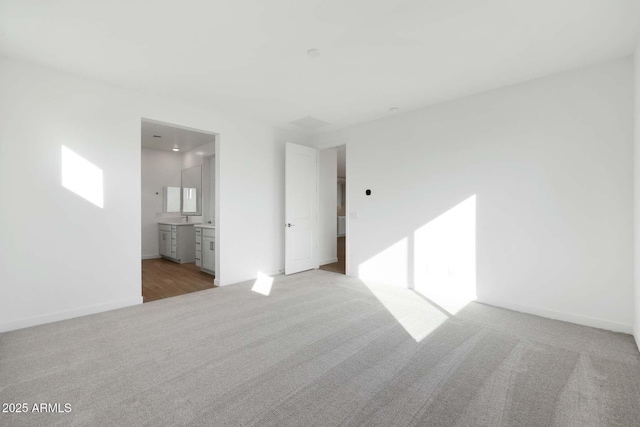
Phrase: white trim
[637,341]
[560,315]
[329,261]
[174,125]
[216,282]
[69,314]
[156,256]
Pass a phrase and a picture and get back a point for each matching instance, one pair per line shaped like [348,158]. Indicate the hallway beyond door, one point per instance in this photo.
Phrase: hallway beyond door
[340,266]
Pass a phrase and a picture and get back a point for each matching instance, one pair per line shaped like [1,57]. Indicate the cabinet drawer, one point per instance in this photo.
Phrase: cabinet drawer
[174,228]
[208,232]
[164,227]
[198,231]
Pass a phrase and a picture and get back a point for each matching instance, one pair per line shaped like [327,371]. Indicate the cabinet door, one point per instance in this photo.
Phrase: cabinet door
[208,253]
[165,243]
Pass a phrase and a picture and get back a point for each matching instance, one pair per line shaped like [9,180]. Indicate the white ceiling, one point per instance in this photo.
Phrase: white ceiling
[172,137]
[248,57]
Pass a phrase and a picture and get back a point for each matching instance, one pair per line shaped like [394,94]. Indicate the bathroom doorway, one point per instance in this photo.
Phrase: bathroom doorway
[178,209]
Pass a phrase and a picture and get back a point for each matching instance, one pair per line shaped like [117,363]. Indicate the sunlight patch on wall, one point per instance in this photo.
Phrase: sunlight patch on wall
[389,265]
[82,177]
[445,257]
[263,284]
[437,261]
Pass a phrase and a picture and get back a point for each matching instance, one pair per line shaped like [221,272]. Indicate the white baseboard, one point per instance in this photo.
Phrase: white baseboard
[69,314]
[560,315]
[329,261]
[151,256]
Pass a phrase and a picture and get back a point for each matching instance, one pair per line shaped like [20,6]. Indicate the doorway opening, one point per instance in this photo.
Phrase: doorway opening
[178,209]
[333,208]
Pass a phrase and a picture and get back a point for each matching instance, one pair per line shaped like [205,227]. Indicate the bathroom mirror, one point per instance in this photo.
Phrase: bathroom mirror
[192,191]
[189,200]
[172,199]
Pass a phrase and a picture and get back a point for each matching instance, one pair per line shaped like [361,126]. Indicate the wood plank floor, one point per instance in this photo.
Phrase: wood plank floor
[163,279]
[340,266]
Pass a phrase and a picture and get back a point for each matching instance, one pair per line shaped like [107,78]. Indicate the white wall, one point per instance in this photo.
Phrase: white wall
[159,169]
[63,256]
[327,203]
[637,194]
[532,183]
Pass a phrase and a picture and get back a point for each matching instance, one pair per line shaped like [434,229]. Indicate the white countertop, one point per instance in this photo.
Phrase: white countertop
[177,223]
[211,226]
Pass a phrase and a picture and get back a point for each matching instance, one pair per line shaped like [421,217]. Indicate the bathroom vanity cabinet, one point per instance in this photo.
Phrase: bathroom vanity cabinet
[177,242]
[206,248]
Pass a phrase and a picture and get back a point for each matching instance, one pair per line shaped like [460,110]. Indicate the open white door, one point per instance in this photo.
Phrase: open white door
[301,208]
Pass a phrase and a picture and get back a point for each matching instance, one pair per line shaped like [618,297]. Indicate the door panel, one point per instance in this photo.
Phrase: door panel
[301,208]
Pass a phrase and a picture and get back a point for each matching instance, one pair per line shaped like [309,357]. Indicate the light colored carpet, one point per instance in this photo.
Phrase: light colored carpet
[320,350]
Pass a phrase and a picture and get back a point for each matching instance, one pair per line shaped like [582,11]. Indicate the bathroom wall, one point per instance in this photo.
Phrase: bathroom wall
[159,169]
[196,156]
[200,156]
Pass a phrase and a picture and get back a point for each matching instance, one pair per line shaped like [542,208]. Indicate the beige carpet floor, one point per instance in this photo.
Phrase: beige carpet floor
[320,350]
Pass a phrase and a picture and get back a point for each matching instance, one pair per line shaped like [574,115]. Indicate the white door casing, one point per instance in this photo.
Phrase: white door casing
[301,208]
